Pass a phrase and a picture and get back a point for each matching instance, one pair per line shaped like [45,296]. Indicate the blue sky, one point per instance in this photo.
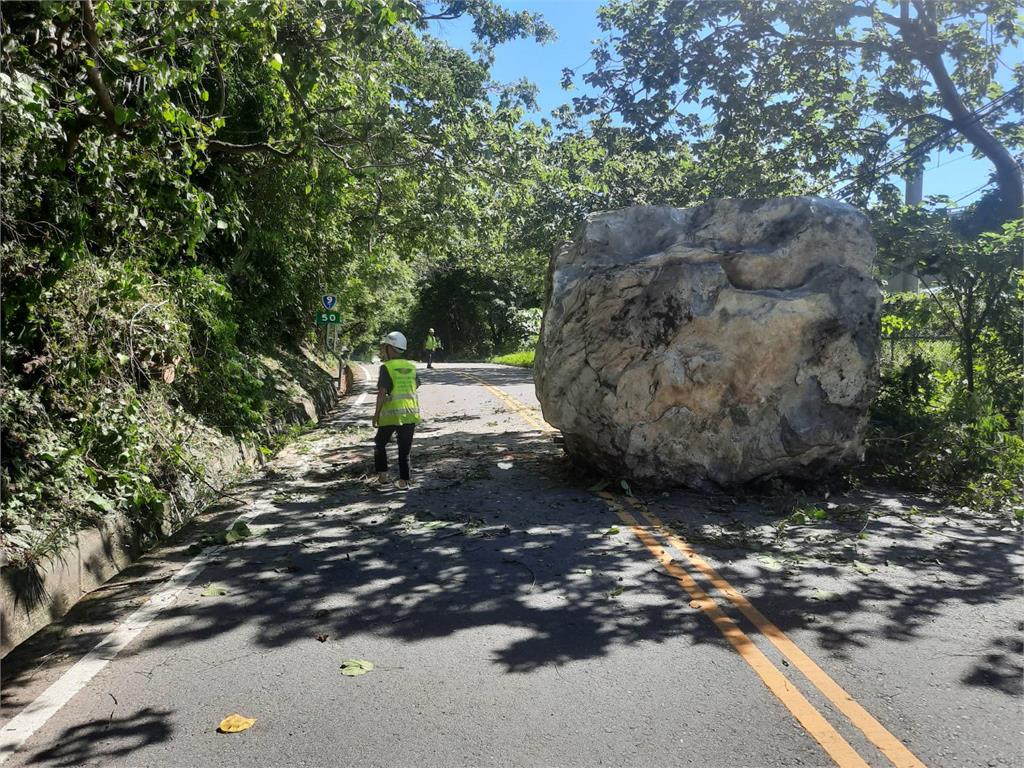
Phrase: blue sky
[958,175]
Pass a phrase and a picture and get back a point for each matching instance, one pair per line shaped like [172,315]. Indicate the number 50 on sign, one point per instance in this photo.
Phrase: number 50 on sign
[328,318]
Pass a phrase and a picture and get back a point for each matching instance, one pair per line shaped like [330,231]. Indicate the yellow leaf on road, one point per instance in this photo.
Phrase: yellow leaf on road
[356,667]
[235,724]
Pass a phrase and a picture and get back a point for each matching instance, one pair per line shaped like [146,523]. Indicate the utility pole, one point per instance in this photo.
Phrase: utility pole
[913,190]
[913,194]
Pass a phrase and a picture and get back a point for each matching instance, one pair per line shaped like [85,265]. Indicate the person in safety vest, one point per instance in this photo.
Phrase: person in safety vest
[432,344]
[398,408]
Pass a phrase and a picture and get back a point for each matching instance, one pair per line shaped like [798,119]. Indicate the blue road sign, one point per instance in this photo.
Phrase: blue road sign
[329,301]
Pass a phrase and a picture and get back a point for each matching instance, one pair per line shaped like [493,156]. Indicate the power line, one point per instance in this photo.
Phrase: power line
[935,139]
[938,164]
[964,197]
[929,143]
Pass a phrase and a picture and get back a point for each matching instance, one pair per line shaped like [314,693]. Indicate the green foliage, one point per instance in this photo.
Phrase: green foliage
[222,384]
[929,430]
[86,432]
[976,299]
[519,359]
[942,440]
[803,93]
[181,182]
[476,312]
[948,416]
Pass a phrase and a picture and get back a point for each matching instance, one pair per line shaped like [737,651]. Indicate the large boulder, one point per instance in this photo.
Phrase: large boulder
[721,343]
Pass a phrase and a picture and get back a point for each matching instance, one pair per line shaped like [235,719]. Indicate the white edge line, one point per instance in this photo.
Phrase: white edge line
[362,395]
[33,717]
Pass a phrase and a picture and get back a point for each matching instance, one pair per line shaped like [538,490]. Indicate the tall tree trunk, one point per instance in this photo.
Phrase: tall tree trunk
[921,36]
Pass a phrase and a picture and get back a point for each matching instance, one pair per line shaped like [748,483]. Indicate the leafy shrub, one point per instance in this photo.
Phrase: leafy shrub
[930,434]
[520,359]
[87,431]
[225,389]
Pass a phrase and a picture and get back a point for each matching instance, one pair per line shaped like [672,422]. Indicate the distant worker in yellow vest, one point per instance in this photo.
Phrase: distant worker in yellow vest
[398,407]
[432,344]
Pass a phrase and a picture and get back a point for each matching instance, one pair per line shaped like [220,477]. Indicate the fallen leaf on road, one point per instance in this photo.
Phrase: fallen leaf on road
[626,488]
[611,531]
[584,571]
[235,724]
[320,613]
[864,568]
[504,465]
[771,563]
[321,638]
[237,532]
[355,667]
[695,603]
[290,568]
[598,486]
[616,592]
[214,590]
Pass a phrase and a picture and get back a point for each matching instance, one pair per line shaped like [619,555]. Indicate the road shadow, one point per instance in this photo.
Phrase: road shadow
[892,557]
[90,620]
[1000,665]
[532,553]
[500,531]
[98,741]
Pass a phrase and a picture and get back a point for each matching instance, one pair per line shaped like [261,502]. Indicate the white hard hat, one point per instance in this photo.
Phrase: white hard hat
[397,340]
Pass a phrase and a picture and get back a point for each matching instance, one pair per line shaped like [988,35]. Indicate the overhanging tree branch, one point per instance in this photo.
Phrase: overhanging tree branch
[1008,173]
[93,72]
[259,147]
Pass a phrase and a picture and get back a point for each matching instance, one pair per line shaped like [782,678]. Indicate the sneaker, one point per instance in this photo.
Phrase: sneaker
[382,478]
[401,484]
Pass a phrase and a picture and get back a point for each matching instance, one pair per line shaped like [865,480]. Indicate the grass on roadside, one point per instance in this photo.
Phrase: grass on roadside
[520,359]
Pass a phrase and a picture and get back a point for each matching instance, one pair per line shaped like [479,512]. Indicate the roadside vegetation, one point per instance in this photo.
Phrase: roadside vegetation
[182,181]
[947,419]
[522,359]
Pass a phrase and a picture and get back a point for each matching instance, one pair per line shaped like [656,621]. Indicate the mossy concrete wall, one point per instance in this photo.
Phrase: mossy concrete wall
[32,597]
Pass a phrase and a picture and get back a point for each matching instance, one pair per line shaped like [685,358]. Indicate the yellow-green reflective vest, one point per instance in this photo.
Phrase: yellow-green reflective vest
[401,406]
[431,344]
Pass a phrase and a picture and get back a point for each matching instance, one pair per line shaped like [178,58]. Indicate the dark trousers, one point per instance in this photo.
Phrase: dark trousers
[430,358]
[380,443]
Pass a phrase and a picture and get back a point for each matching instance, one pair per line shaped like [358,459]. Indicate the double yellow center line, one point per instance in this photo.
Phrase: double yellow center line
[841,752]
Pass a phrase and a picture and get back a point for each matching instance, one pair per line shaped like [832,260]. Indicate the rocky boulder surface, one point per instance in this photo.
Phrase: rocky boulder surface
[721,343]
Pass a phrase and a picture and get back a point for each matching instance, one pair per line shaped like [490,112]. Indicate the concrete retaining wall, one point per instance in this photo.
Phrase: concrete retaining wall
[31,598]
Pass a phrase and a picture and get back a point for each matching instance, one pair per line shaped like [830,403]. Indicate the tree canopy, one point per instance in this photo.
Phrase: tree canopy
[817,88]
[181,181]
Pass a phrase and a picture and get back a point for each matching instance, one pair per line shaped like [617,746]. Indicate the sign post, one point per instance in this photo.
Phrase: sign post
[331,318]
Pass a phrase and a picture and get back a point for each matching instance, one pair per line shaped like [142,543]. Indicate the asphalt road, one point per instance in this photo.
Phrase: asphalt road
[519,614]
